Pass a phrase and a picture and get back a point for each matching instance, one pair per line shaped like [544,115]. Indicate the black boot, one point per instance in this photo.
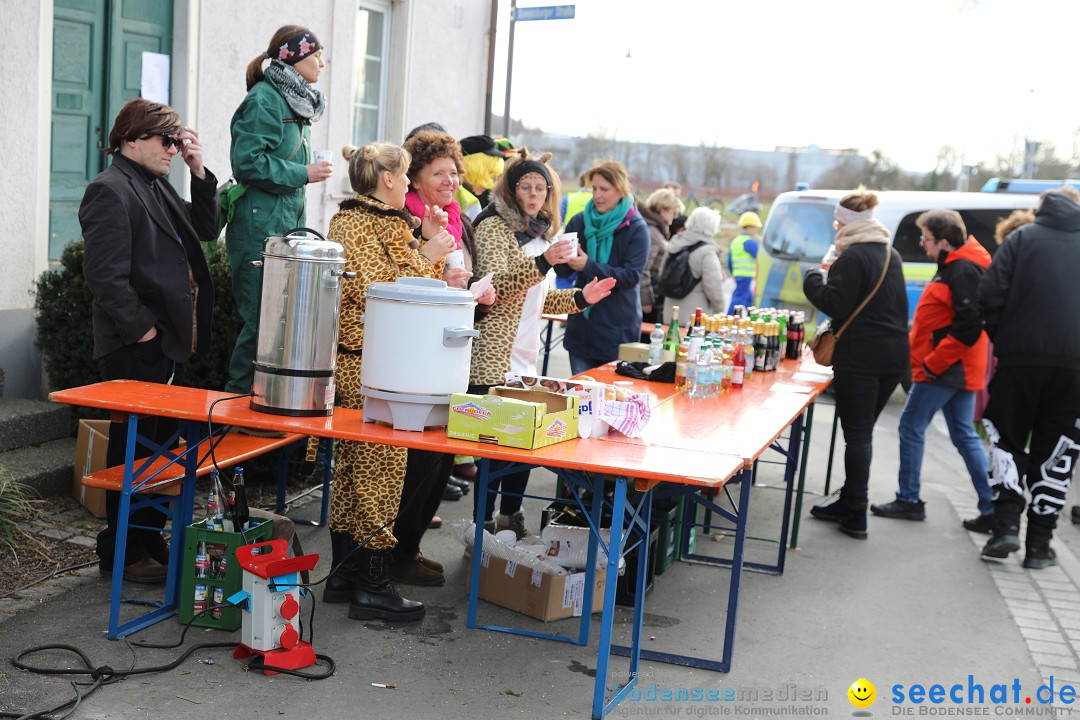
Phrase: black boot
[834,511]
[1005,540]
[339,586]
[1038,553]
[375,596]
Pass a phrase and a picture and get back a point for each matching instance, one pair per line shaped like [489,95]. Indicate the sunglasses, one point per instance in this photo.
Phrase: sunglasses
[168,141]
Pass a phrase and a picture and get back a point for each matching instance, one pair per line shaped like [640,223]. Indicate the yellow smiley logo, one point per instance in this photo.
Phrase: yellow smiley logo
[862,693]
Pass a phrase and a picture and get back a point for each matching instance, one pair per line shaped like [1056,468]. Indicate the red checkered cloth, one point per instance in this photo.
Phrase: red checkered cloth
[629,417]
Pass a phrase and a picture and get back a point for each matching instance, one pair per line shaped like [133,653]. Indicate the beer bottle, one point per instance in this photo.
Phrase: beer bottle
[241,512]
[672,339]
[759,346]
[697,317]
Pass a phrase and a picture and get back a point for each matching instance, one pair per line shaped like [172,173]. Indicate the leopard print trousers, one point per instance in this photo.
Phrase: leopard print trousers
[367,476]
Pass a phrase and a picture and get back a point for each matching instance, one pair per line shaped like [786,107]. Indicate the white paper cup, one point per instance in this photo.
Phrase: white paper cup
[455,259]
[572,237]
[324,156]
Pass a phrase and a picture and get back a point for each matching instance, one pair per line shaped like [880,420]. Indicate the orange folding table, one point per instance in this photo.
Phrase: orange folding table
[689,444]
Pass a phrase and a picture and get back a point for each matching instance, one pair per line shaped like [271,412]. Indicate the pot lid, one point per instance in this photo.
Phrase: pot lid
[419,289]
[304,247]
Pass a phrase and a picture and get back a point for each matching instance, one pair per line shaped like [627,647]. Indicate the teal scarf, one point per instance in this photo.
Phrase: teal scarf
[600,228]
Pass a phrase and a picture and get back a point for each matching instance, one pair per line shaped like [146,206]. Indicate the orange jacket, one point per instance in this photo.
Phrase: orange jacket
[948,344]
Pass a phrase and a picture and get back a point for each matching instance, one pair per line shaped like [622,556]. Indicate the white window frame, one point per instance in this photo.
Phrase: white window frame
[355,107]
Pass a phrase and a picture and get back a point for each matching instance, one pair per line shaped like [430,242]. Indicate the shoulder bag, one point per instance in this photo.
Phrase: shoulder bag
[824,342]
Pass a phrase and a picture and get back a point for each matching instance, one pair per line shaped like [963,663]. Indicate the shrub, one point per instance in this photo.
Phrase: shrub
[65,327]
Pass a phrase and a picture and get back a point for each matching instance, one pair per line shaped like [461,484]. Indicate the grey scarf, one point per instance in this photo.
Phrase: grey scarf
[305,101]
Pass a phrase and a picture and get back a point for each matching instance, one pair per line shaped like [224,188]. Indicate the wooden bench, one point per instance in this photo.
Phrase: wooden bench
[164,477]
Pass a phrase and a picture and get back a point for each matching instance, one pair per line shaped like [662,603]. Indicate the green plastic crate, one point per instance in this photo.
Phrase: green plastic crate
[665,518]
[688,511]
[219,545]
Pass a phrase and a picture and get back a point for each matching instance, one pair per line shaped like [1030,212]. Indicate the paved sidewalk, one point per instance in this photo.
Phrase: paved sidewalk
[912,605]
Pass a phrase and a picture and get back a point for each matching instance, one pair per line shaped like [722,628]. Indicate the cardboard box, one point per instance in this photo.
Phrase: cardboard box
[634,352]
[90,449]
[534,593]
[511,417]
[590,392]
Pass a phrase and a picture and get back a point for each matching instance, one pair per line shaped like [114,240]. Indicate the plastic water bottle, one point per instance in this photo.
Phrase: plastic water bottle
[702,387]
[656,345]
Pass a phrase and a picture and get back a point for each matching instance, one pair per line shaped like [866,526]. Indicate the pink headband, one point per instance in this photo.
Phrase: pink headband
[846,217]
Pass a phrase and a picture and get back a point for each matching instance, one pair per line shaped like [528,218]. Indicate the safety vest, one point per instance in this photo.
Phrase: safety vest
[743,264]
[469,204]
[575,203]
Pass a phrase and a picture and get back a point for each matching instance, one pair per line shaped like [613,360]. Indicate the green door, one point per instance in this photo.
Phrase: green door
[97,67]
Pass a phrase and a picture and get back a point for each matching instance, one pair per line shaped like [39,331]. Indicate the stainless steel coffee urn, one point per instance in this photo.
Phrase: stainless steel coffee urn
[296,351]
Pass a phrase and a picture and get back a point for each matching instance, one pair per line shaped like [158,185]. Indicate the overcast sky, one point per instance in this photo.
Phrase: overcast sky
[904,77]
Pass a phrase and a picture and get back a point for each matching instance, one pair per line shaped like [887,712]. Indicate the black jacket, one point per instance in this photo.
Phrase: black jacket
[137,259]
[1030,295]
[876,343]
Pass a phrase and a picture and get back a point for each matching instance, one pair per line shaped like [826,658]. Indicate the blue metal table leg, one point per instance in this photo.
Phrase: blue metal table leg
[736,576]
[120,541]
[791,468]
[547,346]
[796,516]
[615,544]
[478,541]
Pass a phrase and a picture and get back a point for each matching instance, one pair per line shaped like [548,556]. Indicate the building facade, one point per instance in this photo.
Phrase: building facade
[390,65]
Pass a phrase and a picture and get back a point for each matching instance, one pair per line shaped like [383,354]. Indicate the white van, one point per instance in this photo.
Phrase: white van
[798,232]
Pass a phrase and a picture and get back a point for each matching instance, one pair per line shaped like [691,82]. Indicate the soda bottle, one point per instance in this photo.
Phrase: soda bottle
[200,599]
[680,366]
[672,339]
[747,339]
[221,523]
[202,561]
[738,371]
[217,602]
[727,367]
[696,338]
[221,567]
[702,373]
[782,335]
[656,345]
[213,510]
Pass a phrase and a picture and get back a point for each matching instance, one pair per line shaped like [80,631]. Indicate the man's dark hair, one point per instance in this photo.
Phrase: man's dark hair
[944,225]
[140,119]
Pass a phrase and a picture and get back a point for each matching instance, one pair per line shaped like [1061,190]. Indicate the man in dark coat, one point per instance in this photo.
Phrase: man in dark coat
[1028,299]
[151,285]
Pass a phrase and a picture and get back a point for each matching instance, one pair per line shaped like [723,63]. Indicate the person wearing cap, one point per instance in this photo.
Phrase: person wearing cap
[742,260]
[483,165]
[271,158]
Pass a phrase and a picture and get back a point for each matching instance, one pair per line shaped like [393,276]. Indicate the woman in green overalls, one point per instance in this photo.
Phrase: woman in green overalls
[271,158]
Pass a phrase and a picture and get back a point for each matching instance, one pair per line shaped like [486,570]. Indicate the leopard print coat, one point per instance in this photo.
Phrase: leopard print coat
[378,248]
[368,477]
[498,251]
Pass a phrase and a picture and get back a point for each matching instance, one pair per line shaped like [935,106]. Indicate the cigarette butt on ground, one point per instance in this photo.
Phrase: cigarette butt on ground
[384,685]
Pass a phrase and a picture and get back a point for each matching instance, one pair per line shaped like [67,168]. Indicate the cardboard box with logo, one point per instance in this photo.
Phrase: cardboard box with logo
[90,453]
[511,417]
[534,593]
[591,393]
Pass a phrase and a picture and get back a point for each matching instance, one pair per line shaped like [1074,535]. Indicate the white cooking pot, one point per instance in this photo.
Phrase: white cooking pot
[417,338]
